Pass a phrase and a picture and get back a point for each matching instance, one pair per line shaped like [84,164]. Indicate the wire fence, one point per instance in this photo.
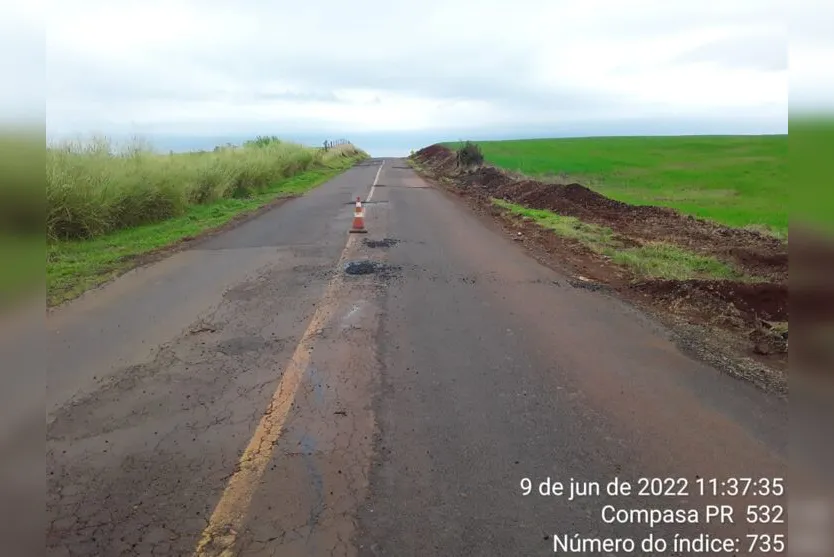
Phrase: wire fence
[337,142]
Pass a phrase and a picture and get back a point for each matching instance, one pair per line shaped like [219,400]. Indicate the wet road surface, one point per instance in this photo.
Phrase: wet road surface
[249,397]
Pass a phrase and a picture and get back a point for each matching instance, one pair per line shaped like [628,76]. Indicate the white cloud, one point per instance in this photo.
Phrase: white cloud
[811,52]
[21,61]
[188,66]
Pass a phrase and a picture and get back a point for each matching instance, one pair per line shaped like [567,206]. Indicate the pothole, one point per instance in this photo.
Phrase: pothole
[384,243]
[361,267]
[367,267]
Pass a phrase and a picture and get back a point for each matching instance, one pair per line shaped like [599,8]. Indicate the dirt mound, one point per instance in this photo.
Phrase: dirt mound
[758,262]
[754,301]
[438,159]
[432,152]
[586,203]
[757,254]
[486,179]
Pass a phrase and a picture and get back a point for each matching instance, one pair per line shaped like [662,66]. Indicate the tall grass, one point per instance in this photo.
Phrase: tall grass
[93,188]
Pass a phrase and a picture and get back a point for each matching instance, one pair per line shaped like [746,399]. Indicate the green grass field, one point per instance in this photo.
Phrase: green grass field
[735,180]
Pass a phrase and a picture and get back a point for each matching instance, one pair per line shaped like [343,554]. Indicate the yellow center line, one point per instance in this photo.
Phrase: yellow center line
[227,521]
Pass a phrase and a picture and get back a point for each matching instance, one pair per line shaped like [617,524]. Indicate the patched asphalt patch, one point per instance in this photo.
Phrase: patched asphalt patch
[390,271]
[367,267]
[384,243]
[361,267]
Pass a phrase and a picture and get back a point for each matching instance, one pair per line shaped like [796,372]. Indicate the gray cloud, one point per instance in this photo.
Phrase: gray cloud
[182,65]
[21,65]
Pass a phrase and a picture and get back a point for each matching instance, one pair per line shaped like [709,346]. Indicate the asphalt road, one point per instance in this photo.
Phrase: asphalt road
[247,396]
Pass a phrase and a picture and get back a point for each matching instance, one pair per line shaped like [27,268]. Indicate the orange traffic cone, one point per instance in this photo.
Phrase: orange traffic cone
[359,218]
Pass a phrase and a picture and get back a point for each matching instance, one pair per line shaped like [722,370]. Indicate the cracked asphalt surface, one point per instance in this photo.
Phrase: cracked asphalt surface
[435,384]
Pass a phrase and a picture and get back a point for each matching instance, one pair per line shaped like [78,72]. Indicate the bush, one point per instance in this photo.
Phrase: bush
[470,155]
[262,141]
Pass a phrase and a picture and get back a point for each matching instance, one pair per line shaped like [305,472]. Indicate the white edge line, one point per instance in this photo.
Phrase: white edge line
[376,180]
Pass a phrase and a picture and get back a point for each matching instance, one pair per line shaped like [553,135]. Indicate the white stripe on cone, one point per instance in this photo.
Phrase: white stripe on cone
[358,217]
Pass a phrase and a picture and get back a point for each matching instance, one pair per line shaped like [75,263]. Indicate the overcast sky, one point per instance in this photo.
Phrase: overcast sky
[429,68]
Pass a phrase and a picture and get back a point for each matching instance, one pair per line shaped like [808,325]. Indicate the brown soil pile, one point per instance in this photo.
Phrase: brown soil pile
[433,151]
[441,159]
[758,255]
[754,301]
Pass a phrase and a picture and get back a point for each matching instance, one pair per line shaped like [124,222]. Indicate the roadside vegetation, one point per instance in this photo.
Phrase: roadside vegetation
[106,207]
[94,189]
[740,181]
[469,154]
[653,260]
